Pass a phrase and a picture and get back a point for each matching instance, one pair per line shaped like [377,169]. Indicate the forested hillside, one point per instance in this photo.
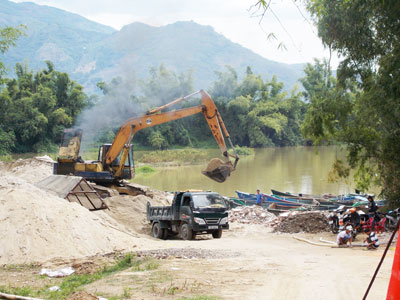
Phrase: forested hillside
[91,52]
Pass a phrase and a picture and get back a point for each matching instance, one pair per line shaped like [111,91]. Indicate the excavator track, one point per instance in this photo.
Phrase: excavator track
[123,188]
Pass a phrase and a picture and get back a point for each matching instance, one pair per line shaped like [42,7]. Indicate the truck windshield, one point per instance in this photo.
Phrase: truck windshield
[208,200]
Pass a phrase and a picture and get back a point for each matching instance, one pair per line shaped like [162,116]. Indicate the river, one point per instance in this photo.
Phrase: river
[288,169]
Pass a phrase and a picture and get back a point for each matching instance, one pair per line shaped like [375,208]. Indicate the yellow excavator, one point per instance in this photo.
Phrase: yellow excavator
[115,161]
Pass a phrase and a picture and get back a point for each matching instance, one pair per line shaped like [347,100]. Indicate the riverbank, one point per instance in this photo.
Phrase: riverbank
[249,262]
[115,256]
[154,158]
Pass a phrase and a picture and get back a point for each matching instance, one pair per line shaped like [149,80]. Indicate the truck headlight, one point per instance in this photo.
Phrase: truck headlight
[224,221]
[200,221]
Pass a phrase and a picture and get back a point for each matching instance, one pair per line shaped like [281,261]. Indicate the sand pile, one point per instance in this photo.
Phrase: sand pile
[131,210]
[31,170]
[36,226]
[312,222]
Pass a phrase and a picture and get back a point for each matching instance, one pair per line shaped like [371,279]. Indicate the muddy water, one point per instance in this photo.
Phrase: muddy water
[290,169]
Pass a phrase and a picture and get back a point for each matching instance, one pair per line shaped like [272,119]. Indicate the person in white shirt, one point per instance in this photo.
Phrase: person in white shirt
[371,239]
[345,237]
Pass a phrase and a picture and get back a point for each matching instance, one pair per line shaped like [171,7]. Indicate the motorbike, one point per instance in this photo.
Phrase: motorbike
[333,218]
[340,218]
[392,217]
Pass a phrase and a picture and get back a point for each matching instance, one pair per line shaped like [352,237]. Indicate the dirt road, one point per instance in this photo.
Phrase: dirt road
[276,266]
[248,262]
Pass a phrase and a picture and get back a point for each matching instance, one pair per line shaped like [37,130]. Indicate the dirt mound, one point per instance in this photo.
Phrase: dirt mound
[251,215]
[38,226]
[82,295]
[312,222]
[131,210]
[31,170]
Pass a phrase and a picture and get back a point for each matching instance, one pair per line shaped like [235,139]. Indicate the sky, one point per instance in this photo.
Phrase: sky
[296,39]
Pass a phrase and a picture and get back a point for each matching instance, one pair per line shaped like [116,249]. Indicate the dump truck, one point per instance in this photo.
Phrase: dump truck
[115,161]
[191,213]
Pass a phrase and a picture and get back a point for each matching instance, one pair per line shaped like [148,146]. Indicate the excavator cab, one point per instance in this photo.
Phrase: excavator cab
[128,169]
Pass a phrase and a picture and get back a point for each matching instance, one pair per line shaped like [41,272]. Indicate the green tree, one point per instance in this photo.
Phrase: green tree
[259,113]
[329,103]
[8,37]
[366,34]
[156,140]
[37,107]
[164,85]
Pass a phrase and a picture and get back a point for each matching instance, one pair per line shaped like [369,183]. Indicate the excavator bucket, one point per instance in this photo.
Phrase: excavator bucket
[218,170]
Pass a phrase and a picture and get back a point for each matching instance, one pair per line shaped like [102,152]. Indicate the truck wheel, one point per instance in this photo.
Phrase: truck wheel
[217,234]
[165,233]
[186,232]
[157,231]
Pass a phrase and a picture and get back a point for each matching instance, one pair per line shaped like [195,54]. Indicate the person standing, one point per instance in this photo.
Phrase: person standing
[258,197]
[372,208]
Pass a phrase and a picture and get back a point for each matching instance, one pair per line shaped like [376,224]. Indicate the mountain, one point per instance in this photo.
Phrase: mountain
[91,52]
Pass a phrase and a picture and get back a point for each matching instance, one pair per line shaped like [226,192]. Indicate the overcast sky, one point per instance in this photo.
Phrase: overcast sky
[237,20]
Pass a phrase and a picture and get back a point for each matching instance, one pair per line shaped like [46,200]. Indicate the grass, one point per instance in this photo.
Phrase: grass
[144,170]
[127,293]
[244,150]
[177,287]
[181,156]
[75,282]
[6,158]
[19,267]
[148,157]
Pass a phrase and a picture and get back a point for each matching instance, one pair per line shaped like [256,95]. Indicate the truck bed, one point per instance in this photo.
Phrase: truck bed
[159,212]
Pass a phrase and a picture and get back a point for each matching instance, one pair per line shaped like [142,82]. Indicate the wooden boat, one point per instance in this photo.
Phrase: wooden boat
[314,202]
[267,200]
[301,195]
[246,196]
[326,199]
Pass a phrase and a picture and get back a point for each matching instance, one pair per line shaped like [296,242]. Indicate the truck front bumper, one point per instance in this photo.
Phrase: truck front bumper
[197,227]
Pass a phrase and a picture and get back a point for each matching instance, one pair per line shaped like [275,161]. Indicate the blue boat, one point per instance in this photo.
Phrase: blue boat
[284,203]
[323,199]
[267,200]
[246,196]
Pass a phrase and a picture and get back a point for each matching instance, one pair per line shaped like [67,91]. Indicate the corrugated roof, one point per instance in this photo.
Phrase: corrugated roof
[60,185]
[73,189]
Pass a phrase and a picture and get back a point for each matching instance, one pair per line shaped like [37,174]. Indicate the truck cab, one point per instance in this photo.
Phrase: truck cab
[191,213]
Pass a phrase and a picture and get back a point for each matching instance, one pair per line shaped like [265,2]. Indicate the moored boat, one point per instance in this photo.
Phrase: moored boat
[267,200]
[282,203]
[324,199]
[302,195]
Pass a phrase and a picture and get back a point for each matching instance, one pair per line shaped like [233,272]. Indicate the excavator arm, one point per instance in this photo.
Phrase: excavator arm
[217,169]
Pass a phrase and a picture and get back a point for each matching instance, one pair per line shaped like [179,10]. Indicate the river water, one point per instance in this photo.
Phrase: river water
[288,169]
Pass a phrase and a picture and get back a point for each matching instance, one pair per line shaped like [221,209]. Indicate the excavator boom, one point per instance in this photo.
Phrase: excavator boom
[217,169]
